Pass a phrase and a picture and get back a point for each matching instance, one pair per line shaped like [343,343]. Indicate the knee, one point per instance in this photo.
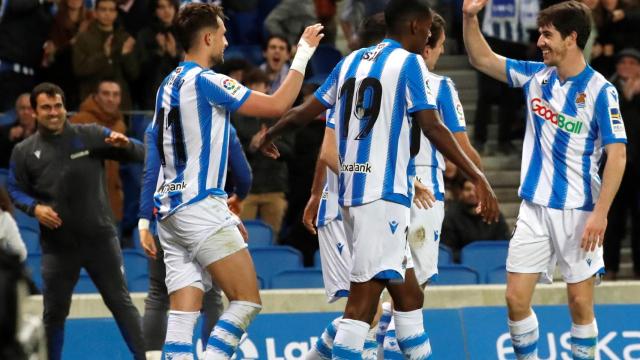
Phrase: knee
[410,303]
[361,312]
[581,307]
[518,305]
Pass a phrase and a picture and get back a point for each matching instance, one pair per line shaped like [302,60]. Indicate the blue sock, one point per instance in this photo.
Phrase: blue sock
[584,340]
[229,329]
[350,338]
[412,338]
[391,348]
[524,337]
[324,345]
[370,351]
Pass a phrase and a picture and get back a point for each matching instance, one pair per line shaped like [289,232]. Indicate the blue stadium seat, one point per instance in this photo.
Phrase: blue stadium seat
[25,221]
[139,283]
[497,275]
[33,264]
[445,255]
[4,175]
[31,240]
[316,260]
[298,279]
[274,259]
[324,59]
[8,117]
[136,264]
[260,234]
[85,285]
[485,255]
[456,275]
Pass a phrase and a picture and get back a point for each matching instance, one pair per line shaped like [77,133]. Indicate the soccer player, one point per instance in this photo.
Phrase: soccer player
[572,116]
[197,231]
[380,99]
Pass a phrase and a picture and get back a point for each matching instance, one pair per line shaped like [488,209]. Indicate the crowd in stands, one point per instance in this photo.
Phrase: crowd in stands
[110,56]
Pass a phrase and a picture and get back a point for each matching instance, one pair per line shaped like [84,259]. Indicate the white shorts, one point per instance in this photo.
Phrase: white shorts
[546,237]
[424,239]
[335,257]
[377,233]
[195,237]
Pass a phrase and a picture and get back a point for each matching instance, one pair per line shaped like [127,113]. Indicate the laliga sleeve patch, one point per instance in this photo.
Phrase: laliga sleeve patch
[230,85]
[617,126]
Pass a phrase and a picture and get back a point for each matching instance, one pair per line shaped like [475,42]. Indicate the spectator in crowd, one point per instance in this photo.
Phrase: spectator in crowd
[277,53]
[463,225]
[57,175]
[22,128]
[157,49]
[10,239]
[618,28]
[289,19]
[134,15]
[354,14]
[234,68]
[105,50]
[503,26]
[24,26]
[72,19]
[267,199]
[103,108]
[627,202]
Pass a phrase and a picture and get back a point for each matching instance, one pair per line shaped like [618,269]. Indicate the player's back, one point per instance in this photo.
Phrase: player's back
[192,126]
[375,89]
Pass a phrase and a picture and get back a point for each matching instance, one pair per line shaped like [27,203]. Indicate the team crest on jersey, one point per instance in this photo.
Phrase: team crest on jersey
[230,85]
[581,100]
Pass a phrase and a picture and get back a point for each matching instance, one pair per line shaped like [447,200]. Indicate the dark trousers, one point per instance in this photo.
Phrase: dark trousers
[156,306]
[494,92]
[625,204]
[103,261]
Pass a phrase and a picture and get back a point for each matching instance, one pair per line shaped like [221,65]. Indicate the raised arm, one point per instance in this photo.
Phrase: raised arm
[481,56]
[262,105]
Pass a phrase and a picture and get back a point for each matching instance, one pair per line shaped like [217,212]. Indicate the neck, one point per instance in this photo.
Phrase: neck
[404,42]
[105,27]
[199,58]
[572,65]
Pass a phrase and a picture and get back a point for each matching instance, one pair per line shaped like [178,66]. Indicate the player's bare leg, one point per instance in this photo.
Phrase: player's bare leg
[584,329]
[523,324]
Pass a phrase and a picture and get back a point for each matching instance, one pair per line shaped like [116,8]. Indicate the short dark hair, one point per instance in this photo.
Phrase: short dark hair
[373,30]
[438,26]
[265,45]
[153,5]
[99,1]
[45,88]
[104,79]
[567,17]
[255,76]
[398,12]
[194,17]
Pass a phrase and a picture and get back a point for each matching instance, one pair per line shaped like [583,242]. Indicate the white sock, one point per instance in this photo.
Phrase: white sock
[391,349]
[233,323]
[584,339]
[349,341]
[323,347]
[178,344]
[370,351]
[412,338]
[383,324]
[524,337]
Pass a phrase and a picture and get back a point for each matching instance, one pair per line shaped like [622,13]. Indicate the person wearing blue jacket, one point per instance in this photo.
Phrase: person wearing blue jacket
[154,321]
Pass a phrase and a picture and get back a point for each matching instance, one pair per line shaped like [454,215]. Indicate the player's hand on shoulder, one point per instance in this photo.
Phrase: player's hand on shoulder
[473,7]
[117,139]
[423,198]
[488,202]
[312,35]
[310,212]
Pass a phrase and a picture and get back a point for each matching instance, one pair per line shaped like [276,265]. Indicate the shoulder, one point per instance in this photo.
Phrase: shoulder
[26,144]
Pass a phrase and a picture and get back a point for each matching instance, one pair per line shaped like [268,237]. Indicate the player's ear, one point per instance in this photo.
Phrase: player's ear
[413,26]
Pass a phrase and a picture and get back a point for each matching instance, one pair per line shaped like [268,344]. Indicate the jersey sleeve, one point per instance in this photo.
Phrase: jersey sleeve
[328,92]
[150,173]
[419,91]
[608,116]
[520,72]
[221,90]
[450,107]
[331,119]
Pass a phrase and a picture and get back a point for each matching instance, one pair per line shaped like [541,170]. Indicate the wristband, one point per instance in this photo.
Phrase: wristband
[303,55]
[143,224]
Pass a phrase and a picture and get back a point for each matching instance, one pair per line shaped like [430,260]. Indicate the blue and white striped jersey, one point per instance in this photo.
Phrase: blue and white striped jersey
[568,125]
[192,127]
[375,90]
[329,208]
[452,115]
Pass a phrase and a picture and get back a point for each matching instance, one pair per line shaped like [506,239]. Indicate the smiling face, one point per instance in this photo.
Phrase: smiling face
[554,47]
[50,112]
[277,54]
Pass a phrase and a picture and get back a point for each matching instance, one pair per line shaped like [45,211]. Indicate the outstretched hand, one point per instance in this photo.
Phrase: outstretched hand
[117,139]
[260,142]
[312,35]
[473,7]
